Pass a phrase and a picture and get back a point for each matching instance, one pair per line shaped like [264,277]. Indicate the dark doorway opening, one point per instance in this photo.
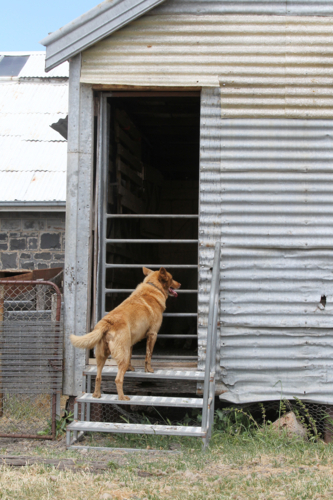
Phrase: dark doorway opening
[154,172]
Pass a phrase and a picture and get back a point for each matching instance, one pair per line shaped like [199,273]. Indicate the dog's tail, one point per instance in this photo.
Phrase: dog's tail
[89,340]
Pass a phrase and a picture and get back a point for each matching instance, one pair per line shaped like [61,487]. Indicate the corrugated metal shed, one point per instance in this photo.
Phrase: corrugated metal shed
[33,155]
[265,69]
[271,65]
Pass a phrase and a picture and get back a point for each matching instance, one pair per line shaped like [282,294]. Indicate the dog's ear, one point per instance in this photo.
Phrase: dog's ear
[147,271]
[163,275]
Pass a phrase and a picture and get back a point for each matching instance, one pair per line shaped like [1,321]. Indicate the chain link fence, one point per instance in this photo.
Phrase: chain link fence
[31,358]
[316,418]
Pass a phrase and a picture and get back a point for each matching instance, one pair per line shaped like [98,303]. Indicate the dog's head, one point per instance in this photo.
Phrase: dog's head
[162,279]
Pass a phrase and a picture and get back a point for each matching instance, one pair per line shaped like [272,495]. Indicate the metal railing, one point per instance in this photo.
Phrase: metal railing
[106,265]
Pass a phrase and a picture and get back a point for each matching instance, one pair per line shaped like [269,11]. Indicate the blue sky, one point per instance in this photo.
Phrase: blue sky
[25,22]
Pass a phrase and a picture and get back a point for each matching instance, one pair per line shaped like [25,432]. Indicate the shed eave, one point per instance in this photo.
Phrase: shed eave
[94,25]
[33,206]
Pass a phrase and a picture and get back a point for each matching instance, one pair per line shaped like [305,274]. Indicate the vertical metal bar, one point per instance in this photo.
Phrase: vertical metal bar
[68,439]
[99,205]
[88,391]
[54,416]
[2,302]
[213,368]
[102,203]
[76,416]
[83,405]
[83,409]
[210,331]
[58,406]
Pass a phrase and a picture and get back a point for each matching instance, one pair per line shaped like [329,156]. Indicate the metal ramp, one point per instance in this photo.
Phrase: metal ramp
[206,402]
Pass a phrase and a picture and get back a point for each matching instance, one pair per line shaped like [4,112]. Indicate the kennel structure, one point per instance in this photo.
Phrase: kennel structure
[192,122]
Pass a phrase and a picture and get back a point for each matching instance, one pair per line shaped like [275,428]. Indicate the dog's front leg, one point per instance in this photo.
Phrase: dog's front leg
[151,339]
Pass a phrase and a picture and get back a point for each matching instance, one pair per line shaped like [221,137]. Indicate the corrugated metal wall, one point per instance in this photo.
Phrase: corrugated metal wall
[276,214]
[266,191]
[286,60]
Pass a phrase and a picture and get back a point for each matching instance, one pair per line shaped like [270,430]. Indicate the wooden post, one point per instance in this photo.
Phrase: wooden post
[2,304]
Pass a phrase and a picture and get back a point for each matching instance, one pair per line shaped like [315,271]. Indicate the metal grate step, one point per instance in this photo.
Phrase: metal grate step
[143,400]
[163,430]
[111,371]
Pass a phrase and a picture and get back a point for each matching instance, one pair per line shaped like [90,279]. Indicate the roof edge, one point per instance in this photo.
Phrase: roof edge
[94,25]
[77,23]
[33,206]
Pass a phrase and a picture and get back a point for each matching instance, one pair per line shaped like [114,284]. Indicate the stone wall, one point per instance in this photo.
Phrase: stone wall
[31,240]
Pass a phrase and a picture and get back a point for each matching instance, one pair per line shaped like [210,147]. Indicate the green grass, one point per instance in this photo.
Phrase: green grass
[245,461]
[256,465]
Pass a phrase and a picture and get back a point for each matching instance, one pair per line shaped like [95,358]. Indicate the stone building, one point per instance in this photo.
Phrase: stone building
[33,146]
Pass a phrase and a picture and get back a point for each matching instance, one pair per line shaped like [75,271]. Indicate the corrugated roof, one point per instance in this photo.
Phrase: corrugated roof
[33,156]
[35,66]
[32,186]
[20,155]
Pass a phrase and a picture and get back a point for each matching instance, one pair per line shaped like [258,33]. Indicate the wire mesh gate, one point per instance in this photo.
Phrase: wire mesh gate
[31,358]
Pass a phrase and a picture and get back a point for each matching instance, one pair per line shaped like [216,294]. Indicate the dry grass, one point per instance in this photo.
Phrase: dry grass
[260,465]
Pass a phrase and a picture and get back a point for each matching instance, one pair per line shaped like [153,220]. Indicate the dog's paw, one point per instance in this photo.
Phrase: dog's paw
[131,369]
[149,369]
[96,395]
[124,398]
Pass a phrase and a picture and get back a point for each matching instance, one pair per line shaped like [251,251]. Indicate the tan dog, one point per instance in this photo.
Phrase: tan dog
[139,316]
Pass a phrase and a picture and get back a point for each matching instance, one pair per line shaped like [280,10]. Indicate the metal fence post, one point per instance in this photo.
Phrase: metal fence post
[2,300]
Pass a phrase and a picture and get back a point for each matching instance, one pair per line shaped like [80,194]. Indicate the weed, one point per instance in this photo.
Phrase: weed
[113,465]
[306,419]
[61,424]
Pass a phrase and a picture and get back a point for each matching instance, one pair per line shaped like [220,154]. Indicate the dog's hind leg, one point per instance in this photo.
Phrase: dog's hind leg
[122,368]
[121,352]
[151,339]
[130,367]
[101,357]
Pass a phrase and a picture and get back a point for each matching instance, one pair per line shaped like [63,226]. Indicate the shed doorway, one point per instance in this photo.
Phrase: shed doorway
[150,211]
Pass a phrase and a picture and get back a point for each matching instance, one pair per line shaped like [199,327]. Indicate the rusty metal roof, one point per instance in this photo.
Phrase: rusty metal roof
[33,155]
